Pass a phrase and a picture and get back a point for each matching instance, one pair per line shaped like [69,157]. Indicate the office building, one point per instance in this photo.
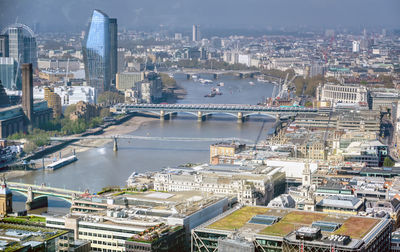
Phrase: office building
[22,44]
[4,46]
[196,33]
[96,50]
[124,222]
[251,186]
[279,229]
[10,75]
[338,93]
[113,28]
[29,236]
[69,94]
[128,80]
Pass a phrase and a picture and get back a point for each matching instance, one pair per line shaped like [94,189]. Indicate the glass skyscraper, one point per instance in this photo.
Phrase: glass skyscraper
[96,52]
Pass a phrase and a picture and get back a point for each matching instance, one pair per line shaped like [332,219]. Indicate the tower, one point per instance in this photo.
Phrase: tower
[27,91]
[96,52]
[5,198]
[113,28]
[306,181]
[196,33]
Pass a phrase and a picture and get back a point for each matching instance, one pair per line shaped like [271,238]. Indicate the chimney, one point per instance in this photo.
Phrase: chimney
[27,91]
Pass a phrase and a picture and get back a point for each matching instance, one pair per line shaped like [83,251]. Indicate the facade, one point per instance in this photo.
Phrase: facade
[9,74]
[5,198]
[45,64]
[53,101]
[251,187]
[341,204]
[382,99]
[22,44]
[139,222]
[84,111]
[272,229]
[96,52]
[4,46]
[224,150]
[128,80]
[69,94]
[113,28]
[337,93]
[196,33]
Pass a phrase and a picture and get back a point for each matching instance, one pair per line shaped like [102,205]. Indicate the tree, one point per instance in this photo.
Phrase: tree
[167,81]
[109,98]
[105,112]
[70,109]
[388,162]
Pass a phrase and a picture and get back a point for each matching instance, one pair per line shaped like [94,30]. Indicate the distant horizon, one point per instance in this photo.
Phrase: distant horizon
[180,15]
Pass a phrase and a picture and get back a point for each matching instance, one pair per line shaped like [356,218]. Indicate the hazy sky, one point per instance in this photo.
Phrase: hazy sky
[73,14]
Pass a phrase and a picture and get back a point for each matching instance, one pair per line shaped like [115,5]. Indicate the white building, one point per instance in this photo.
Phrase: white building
[69,95]
[338,93]
[356,46]
[250,186]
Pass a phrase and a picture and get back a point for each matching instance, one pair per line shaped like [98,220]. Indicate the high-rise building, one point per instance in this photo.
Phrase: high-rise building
[21,44]
[196,33]
[356,46]
[9,74]
[96,52]
[113,28]
[3,45]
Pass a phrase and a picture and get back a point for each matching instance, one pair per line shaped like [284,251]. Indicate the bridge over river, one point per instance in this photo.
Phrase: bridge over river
[201,111]
[36,195]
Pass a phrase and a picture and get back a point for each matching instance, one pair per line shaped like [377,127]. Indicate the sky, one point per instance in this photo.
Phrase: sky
[73,15]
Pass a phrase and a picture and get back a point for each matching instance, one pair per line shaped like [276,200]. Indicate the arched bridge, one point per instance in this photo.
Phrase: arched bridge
[37,194]
[239,111]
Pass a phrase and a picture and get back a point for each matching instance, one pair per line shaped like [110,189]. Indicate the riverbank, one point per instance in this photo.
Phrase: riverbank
[83,145]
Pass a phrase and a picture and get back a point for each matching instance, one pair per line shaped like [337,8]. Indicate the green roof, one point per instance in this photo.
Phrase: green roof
[291,220]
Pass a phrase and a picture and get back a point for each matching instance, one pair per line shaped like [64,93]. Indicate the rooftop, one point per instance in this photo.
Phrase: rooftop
[291,220]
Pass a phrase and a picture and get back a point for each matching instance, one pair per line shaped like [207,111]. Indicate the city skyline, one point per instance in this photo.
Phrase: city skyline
[223,14]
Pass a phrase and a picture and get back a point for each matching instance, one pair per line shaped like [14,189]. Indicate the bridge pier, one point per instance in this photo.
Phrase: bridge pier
[162,115]
[115,147]
[200,116]
[32,203]
[240,117]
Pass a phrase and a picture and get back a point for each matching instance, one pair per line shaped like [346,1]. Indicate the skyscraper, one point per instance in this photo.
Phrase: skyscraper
[3,45]
[21,44]
[196,33]
[96,52]
[113,48]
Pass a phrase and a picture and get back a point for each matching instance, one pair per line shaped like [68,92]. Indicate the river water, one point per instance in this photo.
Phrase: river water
[100,167]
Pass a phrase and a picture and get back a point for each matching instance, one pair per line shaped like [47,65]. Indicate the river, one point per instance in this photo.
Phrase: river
[100,167]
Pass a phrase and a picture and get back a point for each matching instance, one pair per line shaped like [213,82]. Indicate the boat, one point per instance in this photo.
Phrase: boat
[251,83]
[60,163]
[212,94]
[205,81]
[221,84]
[217,91]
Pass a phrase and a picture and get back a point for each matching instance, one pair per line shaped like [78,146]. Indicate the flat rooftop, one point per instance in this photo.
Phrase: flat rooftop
[291,220]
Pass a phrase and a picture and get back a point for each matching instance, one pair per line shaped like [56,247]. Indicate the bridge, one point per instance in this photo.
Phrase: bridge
[201,111]
[189,72]
[36,195]
[150,138]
